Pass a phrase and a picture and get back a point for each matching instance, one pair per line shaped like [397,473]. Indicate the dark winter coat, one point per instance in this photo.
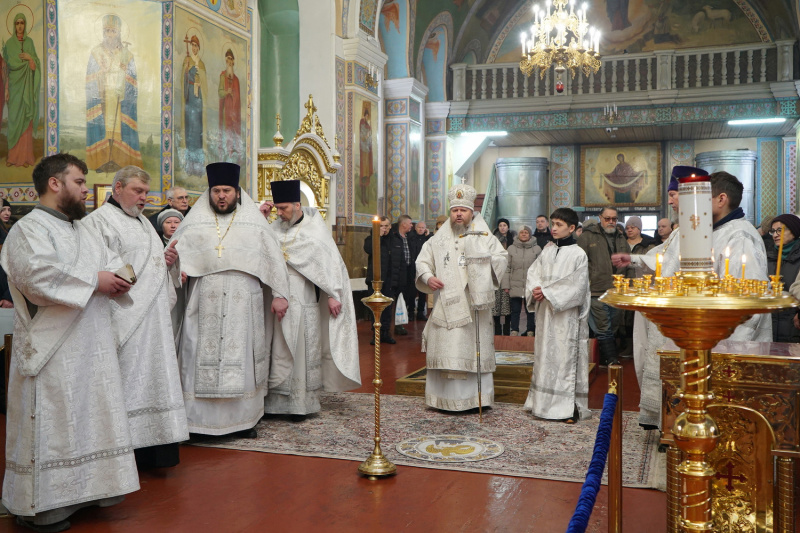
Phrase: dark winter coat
[594,242]
[783,329]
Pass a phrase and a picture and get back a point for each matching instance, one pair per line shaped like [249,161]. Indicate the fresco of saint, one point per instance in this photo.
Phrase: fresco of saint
[112,131]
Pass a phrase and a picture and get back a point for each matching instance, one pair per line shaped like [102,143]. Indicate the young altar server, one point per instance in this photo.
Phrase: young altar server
[557,291]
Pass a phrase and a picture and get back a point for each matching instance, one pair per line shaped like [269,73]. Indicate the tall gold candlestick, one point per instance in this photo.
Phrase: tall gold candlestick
[377,465]
[376,249]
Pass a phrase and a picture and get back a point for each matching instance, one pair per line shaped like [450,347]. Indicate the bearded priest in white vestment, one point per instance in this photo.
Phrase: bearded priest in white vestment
[147,358]
[465,263]
[557,291]
[236,274]
[323,320]
[67,439]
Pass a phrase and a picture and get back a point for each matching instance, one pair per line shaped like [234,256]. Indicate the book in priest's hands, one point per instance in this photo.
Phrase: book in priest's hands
[126,273]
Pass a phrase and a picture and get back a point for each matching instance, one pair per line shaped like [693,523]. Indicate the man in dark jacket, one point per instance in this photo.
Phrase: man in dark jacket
[600,242]
[403,269]
[419,236]
[542,233]
[386,266]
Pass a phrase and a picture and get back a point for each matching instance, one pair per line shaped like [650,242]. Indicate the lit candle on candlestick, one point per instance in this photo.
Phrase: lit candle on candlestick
[659,260]
[376,249]
[744,260]
[727,260]
[780,253]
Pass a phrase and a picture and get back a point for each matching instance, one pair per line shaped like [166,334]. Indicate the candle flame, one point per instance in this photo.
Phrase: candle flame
[376,219]
[727,251]
[744,259]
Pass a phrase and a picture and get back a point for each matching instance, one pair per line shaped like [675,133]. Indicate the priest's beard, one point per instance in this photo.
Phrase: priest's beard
[74,209]
[286,224]
[230,209]
[458,229]
[673,217]
[133,211]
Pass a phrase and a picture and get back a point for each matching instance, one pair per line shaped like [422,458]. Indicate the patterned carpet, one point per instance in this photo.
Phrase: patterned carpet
[533,448]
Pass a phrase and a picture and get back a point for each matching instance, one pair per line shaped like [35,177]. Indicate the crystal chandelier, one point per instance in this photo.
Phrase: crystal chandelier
[560,37]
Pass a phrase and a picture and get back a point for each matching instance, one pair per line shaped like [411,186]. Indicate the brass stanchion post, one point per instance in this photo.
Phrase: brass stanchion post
[377,465]
[615,454]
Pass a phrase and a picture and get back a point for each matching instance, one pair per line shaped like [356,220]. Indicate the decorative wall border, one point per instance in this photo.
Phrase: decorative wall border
[350,156]
[341,113]
[357,75]
[769,178]
[19,193]
[51,30]
[414,110]
[790,176]
[396,107]
[562,177]
[167,93]
[629,116]
[249,122]
[396,165]
[435,126]
[434,173]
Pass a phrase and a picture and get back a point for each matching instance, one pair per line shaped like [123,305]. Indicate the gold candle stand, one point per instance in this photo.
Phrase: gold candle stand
[377,465]
[696,310]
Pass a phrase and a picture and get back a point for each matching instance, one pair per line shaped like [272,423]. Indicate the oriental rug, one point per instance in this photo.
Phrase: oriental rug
[344,429]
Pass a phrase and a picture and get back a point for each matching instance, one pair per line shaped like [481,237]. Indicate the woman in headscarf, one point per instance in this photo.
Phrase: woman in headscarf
[521,256]
[502,302]
[168,221]
[783,327]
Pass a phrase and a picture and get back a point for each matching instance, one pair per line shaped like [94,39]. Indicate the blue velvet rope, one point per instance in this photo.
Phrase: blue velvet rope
[580,519]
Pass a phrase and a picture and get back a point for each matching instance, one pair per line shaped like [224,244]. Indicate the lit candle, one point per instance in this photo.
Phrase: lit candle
[376,249]
[659,260]
[744,260]
[727,259]
[780,253]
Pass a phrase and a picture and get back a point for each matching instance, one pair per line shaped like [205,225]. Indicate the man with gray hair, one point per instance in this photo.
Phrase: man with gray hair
[178,199]
[600,242]
[324,349]
[146,344]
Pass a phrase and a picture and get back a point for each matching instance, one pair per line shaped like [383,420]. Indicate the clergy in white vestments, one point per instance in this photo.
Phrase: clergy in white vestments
[557,291]
[323,319]
[464,263]
[734,235]
[647,338]
[147,358]
[236,274]
[68,443]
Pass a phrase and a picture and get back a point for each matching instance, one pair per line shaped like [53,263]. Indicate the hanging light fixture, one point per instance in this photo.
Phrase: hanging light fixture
[560,36]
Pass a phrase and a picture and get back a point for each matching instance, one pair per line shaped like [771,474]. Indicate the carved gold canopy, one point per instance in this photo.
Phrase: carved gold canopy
[308,158]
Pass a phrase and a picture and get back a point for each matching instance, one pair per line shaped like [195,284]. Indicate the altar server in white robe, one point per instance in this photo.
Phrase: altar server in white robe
[464,263]
[733,232]
[557,291]
[236,274]
[147,358]
[67,439]
[323,319]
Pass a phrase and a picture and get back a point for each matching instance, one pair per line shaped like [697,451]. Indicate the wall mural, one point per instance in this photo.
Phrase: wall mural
[112,81]
[647,25]
[365,154]
[22,100]
[434,64]
[621,175]
[393,31]
[210,98]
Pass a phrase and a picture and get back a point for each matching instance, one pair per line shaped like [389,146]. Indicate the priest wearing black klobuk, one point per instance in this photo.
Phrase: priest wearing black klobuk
[323,338]
[238,289]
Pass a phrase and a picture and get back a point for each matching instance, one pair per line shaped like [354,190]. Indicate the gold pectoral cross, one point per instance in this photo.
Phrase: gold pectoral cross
[285,254]
[219,249]
[695,220]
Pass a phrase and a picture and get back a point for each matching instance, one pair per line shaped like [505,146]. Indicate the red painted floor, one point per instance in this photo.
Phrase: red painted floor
[232,491]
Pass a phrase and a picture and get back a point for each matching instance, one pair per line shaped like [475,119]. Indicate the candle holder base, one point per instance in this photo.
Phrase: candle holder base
[377,465]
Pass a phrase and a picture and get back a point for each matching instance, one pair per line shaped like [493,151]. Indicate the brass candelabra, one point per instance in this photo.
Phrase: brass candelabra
[697,310]
[377,465]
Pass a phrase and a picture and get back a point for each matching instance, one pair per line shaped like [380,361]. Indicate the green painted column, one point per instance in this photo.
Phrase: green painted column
[279,72]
